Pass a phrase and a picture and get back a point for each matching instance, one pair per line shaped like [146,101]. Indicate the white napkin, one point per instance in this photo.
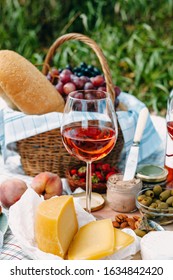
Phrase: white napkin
[128,252]
[21,222]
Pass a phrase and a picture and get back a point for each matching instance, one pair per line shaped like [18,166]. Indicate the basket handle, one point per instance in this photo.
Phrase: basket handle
[91,43]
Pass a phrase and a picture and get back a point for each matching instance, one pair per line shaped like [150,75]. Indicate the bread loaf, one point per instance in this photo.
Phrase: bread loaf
[24,86]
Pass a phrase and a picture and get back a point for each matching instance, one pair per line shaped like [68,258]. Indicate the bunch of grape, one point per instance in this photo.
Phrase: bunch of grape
[84,77]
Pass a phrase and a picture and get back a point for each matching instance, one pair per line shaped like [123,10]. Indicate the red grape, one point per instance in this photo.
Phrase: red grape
[88,85]
[64,78]
[117,90]
[97,80]
[78,95]
[103,88]
[77,81]
[59,87]
[69,87]
[85,79]
[66,71]
[54,72]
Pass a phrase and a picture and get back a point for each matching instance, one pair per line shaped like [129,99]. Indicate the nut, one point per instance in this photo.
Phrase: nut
[115,224]
[131,223]
[136,218]
[124,225]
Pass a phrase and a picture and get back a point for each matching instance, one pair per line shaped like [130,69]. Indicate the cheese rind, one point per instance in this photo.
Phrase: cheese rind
[93,241]
[55,225]
[157,245]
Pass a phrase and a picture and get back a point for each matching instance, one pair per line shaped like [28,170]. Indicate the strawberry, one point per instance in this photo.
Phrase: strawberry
[93,167]
[109,174]
[99,165]
[73,171]
[82,172]
[100,176]
[114,169]
[82,180]
[106,167]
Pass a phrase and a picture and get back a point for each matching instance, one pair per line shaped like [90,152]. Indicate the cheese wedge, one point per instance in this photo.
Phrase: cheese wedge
[122,239]
[55,225]
[93,241]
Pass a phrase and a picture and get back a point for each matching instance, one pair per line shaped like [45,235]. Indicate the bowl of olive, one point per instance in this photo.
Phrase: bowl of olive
[156,204]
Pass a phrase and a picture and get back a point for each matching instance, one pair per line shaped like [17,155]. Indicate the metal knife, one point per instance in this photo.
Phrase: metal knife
[132,159]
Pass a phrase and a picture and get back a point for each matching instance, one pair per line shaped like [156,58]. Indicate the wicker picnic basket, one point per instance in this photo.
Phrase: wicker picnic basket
[45,151]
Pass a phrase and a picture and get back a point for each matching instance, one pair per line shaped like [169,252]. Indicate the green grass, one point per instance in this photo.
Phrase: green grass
[135,36]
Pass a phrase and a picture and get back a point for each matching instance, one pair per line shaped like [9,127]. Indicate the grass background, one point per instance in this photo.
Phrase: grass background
[135,36]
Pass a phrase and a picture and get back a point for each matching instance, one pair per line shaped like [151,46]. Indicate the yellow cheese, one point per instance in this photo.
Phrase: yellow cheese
[122,239]
[96,240]
[55,225]
[93,241]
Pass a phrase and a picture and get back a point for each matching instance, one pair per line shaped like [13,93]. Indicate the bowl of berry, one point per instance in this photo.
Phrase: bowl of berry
[101,171]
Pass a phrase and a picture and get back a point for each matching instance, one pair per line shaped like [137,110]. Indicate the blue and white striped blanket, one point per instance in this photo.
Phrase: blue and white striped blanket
[15,126]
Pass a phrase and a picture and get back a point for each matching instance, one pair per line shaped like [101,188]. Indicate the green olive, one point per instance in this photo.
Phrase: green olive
[139,232]
[146,201]
[169,201]
[149,193]
[163,205]
[158,201]
[157,190]
[153,205]
[140,197]
[164,195]
[170,210]
[171,192]
[150,216]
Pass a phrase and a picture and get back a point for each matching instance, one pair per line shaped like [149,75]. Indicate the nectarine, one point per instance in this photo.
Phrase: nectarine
[11,191]
[47,184]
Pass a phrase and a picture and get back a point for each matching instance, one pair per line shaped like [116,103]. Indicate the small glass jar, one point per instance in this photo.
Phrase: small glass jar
[152,175]
[121,195]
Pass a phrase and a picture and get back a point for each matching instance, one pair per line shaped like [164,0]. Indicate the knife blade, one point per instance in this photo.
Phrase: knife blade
[132,159]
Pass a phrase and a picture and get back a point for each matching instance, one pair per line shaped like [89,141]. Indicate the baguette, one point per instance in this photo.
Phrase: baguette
[24,87]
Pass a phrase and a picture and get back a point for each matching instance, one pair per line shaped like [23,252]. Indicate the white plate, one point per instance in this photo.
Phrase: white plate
[97,200]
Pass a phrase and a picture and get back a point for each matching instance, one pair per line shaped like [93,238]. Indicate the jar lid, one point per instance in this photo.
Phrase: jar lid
[152,173]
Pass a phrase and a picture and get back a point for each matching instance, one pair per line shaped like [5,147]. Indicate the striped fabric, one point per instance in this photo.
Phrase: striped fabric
[15,126]
[11,249]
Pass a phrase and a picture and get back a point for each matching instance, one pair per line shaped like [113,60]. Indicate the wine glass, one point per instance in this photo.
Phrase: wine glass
[89,129]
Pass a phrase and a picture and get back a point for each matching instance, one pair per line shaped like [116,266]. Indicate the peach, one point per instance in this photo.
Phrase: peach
[47,184]
[11,191]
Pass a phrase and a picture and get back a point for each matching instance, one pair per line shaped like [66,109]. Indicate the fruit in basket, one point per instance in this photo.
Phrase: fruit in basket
[47,184]
[11,191]
[82,77]
[101,171]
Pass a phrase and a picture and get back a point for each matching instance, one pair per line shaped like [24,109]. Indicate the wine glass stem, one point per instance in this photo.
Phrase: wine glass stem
[88,187]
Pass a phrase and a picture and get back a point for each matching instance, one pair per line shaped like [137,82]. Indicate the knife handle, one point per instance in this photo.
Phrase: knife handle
[142,119]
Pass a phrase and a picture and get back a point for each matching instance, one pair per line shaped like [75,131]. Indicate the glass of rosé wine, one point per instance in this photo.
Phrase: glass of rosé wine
[89,129]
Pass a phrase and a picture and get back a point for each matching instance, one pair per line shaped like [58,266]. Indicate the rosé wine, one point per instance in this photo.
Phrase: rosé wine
[89,144]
